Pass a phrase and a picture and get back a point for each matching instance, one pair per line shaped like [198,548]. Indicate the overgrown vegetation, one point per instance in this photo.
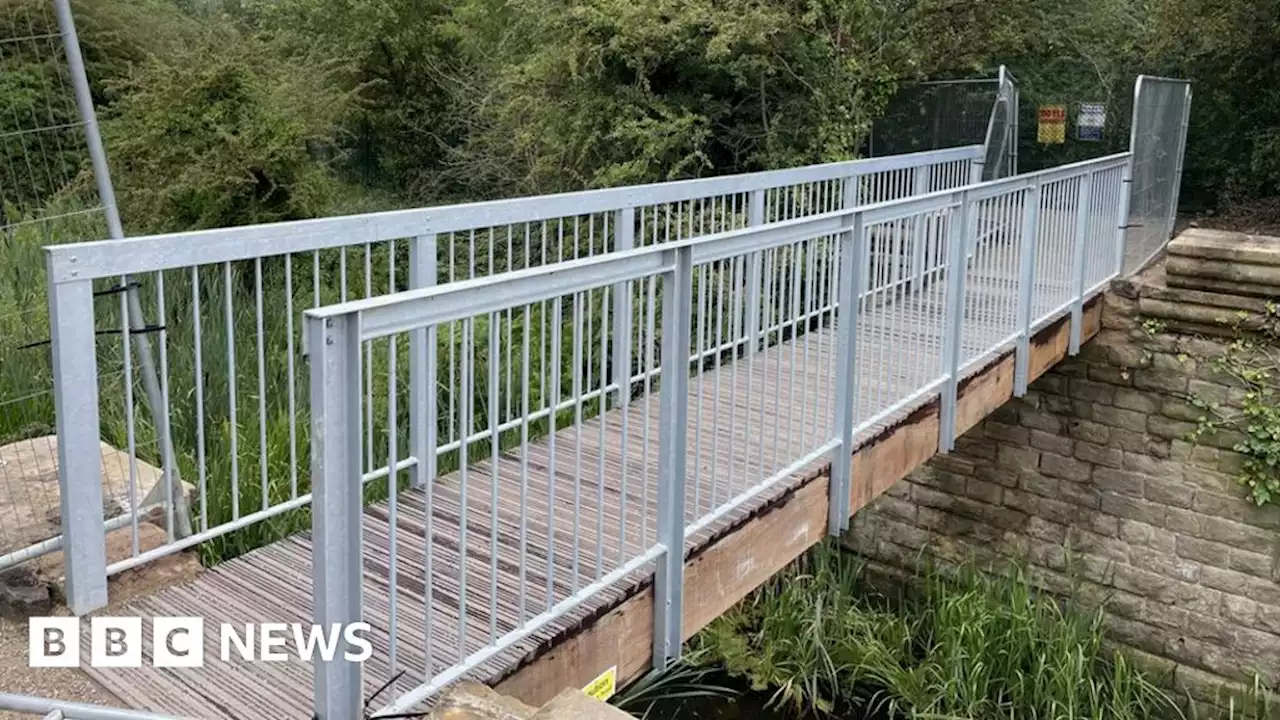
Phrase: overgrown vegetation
[960,644]
[1251,363]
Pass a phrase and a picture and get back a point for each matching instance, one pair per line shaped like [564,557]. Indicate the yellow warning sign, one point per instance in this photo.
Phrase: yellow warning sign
[1052,128]
[604,686]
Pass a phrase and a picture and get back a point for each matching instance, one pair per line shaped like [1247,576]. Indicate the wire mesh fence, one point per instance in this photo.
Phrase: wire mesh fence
[950,113]
[1161,108]
[934,115]
[46,198]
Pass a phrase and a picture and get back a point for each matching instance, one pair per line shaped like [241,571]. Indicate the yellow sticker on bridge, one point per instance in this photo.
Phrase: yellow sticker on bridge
[604,686]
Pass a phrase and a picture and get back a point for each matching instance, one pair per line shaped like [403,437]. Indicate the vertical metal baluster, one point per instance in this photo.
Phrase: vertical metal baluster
[590,330]
[601,418]
[507,390]
[719,343]
[553,369]
[129,423]
[737,296]
[453,370]
[342,272]
[393,472]
[465,425]
[393,499]
[699,350]
[576,332]
[495,349]
[262,383]
[764,357]
[797,257]
[811,313]
[199,383]
[231,391]
[369,460]
[293,382]
[524,461]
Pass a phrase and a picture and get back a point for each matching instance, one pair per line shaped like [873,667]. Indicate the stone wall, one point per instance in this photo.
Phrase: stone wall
[1093,474]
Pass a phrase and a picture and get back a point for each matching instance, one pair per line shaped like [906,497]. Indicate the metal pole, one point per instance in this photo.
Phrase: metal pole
[75,398]
[850,280]
[79,711]
[1026,287]
[336,538]
[957,268]
[668,583]
[422,367]
[1083,214]
[624,233]
[142,345]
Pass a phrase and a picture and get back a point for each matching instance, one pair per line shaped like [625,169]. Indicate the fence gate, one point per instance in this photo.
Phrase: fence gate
[1158,138]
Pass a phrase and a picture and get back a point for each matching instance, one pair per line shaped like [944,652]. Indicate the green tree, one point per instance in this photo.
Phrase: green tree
[228,130]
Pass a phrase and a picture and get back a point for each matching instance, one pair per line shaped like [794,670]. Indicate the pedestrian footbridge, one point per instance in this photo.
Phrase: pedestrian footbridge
[534,440]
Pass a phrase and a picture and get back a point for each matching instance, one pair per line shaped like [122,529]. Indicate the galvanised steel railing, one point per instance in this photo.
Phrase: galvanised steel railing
[869,311]
[224,306]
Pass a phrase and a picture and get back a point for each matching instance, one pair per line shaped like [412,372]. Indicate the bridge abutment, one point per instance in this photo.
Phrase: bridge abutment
[1099,475]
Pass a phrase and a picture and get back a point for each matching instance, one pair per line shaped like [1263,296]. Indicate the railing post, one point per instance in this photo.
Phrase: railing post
[918,253]
[851,282]
[1122,214]
[755,272]
[1083,215]
[75,399]
[422,367]
[953,329]
[668,595]
[1026,287]
[336,503]
[624,234]
[1177,173]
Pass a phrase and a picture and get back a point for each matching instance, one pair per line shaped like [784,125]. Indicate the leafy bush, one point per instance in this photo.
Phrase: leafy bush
[226,131]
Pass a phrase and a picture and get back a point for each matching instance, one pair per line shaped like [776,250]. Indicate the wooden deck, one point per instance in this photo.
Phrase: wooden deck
[747,420]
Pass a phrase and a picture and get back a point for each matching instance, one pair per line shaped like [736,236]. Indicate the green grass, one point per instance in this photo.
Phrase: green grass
[966,645]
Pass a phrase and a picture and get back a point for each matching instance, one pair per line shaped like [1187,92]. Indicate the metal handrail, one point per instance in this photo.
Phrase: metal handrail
[1037,229]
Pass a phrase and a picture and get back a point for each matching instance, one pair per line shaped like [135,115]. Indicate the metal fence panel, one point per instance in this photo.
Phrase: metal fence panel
[1161,111]
[950,113]
[43,151]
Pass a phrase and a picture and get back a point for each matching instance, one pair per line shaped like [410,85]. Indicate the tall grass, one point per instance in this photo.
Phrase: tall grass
[962,645]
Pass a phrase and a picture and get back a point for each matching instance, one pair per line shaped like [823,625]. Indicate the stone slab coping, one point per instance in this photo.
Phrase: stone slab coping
[1225,245]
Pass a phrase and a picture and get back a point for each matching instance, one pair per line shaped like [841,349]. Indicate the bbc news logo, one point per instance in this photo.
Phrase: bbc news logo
[179,642]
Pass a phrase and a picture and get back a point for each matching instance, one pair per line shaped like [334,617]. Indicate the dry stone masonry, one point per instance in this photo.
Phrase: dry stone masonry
[1095,473]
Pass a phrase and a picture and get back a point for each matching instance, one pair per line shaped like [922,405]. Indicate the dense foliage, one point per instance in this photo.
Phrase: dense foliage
[966,643]
[233,111]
